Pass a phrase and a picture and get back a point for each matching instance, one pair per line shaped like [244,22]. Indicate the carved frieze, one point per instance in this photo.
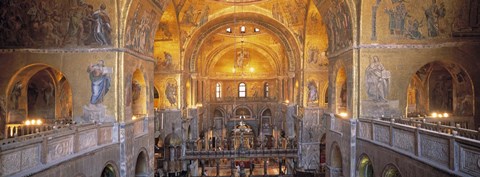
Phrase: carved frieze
[434,149]
[470,160]
[87,139]
[60,148]
[382,134]
[365,130]
[30,157]
[10,163]
[404,140]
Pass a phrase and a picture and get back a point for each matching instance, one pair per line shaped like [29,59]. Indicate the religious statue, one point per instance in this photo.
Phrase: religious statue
[171,93]
[100,81]
[102,28]
[377,81]
[312,91]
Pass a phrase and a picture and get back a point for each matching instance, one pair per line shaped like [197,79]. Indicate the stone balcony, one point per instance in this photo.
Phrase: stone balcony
[34,152]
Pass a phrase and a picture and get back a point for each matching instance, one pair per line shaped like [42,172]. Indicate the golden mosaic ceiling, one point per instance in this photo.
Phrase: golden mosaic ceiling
[269,26]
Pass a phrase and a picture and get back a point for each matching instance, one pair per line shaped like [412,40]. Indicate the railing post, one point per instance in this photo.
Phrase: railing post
[76,143]
[392,121]
[452,148]
[417,139]
[44,150]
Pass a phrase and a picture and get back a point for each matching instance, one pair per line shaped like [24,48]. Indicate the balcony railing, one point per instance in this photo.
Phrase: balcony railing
[17,130]
[451,149]
[260,153]
[28,154]
[437,127]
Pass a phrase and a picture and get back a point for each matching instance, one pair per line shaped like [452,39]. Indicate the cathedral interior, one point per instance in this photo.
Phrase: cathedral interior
[239,88]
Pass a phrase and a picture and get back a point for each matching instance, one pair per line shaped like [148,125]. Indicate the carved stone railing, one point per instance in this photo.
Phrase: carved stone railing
[16,130]
[266,153]
[25,155]
[436,145]
[438,127]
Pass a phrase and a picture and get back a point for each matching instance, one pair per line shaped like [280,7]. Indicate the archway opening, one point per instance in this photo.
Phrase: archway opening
[341,91]
[322,156]
[442,89]
[141,167]
[365,167]
[391,171]
[109,171]
[156,98]
[336,161]
[37,95]
[139,94]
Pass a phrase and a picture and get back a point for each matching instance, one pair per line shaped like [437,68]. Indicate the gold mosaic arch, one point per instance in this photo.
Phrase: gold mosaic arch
[273,59]
[286,37]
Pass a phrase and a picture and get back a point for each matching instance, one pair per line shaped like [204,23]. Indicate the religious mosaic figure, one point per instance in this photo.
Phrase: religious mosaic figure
[102,26]
[377,81]
[100,85]
[313,55]
[433,13]
[136,88]
[171,93]
[189,16]
[413,29]
[241,57]
[204,15]
[312,91]
[397,18]
[15,94]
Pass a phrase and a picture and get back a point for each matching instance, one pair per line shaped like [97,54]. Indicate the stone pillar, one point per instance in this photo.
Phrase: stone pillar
[232,167]
[280,172]
[218,166]
[265,166]
[203,166]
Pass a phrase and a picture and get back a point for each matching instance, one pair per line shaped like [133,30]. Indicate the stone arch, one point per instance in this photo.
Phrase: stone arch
[266,116]
[141,165]
[139,94]
[365,166]
[133,15]
[286,36]
[109,170]
[37,91]
[219,112]
[324,95]
[242,110]
[441,87]
[391,170]
[336,160]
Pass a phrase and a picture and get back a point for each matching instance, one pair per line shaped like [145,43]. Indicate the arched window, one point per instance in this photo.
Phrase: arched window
[242,90]
[218,90]
[266,89]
